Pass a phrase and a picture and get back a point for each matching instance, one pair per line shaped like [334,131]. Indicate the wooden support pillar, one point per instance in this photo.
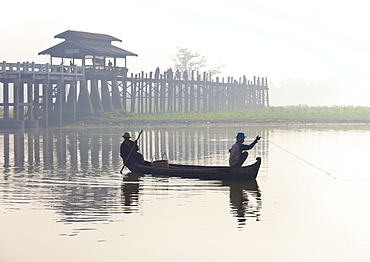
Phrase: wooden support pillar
[133,95]
[45,104]
[29,101]
[36,101]
[199,92]
[16,100]
[140,94]
[186,95]
[106,99]
[192,93]
[69,111]
[84,104]
[179,95]
[146,84]
[162,94]
[169,91]
[57,107]
[156,94]
[228,94]
[95,96]
[150,93]
[205,93]
[116,98]
[254,95]
[217,94]
[21,101]
[124,94]
[6,100]
[267,93]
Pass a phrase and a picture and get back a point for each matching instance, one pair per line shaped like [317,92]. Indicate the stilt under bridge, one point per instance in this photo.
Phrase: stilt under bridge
[96,79]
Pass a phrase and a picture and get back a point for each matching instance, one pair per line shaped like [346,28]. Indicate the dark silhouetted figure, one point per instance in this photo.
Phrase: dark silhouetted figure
[129,151]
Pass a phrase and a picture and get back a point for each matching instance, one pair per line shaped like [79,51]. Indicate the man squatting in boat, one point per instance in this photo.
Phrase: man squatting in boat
[237,156]
[128,146]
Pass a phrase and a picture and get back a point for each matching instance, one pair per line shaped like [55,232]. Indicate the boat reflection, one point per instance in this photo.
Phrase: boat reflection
[245,196]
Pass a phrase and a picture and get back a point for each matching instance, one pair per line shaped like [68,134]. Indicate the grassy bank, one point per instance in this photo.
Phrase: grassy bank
[279,113]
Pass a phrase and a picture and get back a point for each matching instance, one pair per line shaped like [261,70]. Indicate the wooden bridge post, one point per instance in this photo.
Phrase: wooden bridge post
[107,103]
[262,84]
[150,84]
[36,101]
[141,93]
[186,92]
[45,104]
[124,93]
[133,94]
[149,94]
[6,100]
[95,96]
[192,92]
[21,101]
[259,93]
[205,93]
[245,92]
[217,94]
[199,89]
[229,94]
[58,105]
[253,91]
[16,100]
[162,92]
[179,95]
[267,93]
[156,93]
[170,90]
[84,104]
[29,101]
[116,98]
[71,105]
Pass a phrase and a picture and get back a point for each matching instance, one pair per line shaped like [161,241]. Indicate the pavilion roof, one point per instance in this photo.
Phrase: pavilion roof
[80,44]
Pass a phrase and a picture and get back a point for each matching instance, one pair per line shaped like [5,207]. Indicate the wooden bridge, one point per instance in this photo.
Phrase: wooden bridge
[52,95]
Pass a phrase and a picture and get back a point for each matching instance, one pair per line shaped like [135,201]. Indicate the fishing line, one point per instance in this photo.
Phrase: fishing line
[298,157]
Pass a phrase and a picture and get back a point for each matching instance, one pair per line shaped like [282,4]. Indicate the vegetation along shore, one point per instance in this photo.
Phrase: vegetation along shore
[272,114]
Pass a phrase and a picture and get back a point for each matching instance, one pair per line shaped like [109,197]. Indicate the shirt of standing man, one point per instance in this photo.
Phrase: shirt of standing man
[237,149]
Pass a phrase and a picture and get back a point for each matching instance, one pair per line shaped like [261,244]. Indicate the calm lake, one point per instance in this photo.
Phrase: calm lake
[62,197]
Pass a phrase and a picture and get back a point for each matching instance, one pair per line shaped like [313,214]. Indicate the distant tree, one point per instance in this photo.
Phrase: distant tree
[189,60]
[217,69]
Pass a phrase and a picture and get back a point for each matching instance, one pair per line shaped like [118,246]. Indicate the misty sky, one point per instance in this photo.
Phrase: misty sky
[311,40]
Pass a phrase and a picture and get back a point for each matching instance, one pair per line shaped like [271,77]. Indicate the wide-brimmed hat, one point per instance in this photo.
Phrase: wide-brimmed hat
[240,135]
[127,134]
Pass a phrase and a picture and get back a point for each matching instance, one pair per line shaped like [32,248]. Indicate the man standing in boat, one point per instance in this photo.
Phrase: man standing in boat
[237,156]
[129,151]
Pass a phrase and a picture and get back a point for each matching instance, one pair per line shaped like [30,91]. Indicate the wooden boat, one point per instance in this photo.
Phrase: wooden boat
[203,172]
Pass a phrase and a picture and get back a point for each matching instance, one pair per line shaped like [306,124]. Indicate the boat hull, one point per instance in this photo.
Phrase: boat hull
[203,172]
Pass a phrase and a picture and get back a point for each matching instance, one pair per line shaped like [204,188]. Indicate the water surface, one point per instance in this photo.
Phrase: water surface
[63,199]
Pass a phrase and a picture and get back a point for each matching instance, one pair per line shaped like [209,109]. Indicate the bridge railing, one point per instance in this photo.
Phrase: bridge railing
[31,68]
[71,70]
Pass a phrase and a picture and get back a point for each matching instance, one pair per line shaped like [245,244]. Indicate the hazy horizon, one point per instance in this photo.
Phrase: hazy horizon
[318,45]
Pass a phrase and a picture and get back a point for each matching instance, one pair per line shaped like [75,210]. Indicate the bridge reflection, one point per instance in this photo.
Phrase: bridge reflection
[76,172]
